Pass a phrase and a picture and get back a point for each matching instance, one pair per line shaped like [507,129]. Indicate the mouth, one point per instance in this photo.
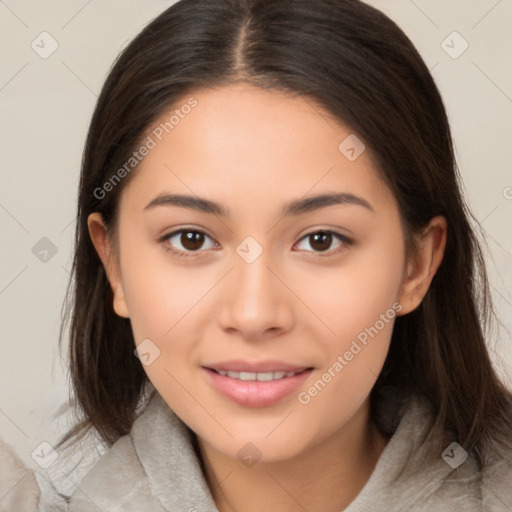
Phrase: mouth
[255,385]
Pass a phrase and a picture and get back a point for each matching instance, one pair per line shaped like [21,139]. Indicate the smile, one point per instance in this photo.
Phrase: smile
[263,388]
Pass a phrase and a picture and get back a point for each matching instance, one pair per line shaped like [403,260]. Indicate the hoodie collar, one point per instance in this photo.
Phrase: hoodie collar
[165,447]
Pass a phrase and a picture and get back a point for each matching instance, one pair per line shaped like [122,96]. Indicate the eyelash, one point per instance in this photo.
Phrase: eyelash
[322,254]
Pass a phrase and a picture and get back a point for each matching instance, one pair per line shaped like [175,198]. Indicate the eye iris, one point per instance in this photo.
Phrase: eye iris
[321,241]
[192,240]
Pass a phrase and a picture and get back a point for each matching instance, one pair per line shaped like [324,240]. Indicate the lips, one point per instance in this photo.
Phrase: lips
[255,384]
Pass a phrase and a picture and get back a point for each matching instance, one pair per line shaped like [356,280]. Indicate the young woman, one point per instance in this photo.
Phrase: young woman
[279,301]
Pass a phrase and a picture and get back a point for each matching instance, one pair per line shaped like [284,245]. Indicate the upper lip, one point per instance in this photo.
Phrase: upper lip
[255,367]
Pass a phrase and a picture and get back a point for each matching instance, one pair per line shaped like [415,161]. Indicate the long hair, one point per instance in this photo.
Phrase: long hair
[361,68]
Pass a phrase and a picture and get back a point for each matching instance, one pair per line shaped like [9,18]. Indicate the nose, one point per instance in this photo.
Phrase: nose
[256,302]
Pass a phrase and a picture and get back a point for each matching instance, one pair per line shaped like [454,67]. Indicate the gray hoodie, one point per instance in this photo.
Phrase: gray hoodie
[155,469]
[18,484]
[24,490]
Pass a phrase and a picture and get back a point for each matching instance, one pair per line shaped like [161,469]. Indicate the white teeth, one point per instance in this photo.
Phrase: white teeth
[262,376]
[247,376]
[265,376]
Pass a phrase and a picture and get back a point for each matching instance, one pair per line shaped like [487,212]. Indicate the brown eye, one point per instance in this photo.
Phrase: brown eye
[185,242]
[324,241]
[320,241]
[192,240]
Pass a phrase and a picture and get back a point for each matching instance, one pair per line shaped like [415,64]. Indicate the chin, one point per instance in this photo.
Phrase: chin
[253,445]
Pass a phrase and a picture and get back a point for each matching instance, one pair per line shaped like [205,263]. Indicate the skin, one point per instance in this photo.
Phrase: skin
[252,151]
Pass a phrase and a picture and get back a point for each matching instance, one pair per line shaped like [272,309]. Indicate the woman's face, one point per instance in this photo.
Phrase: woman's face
[256,238]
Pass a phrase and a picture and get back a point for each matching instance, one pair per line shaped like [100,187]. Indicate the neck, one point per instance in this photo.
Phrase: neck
[325,477]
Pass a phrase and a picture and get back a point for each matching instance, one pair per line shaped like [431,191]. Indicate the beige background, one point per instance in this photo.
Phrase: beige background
[46,106]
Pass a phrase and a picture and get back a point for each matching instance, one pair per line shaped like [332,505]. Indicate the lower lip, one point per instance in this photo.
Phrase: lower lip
[251,393]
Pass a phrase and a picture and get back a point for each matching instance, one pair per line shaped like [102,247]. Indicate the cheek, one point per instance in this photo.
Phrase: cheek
[166,302]
[353,296]
[159,293]
[162,300]
[352,358]
[358,303]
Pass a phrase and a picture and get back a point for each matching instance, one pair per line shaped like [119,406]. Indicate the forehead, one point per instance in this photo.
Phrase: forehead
[254,146]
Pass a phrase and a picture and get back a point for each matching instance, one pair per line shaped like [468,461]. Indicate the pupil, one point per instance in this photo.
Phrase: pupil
[322,241]
[192,240]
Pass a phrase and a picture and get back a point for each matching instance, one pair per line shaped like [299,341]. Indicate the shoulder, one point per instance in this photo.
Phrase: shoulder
[429,472]
[116,483]
[154,469]
[496,482]
[490,486]
[18,487]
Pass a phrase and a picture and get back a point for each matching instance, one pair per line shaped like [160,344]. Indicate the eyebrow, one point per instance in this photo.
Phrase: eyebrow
[293,208]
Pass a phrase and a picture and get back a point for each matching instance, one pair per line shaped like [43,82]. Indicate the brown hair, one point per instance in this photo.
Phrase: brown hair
[360,67]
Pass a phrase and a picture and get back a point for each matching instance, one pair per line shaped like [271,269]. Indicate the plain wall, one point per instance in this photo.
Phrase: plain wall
[46,105]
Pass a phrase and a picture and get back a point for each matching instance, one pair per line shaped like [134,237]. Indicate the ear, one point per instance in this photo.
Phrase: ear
[105,250]
[423,264]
